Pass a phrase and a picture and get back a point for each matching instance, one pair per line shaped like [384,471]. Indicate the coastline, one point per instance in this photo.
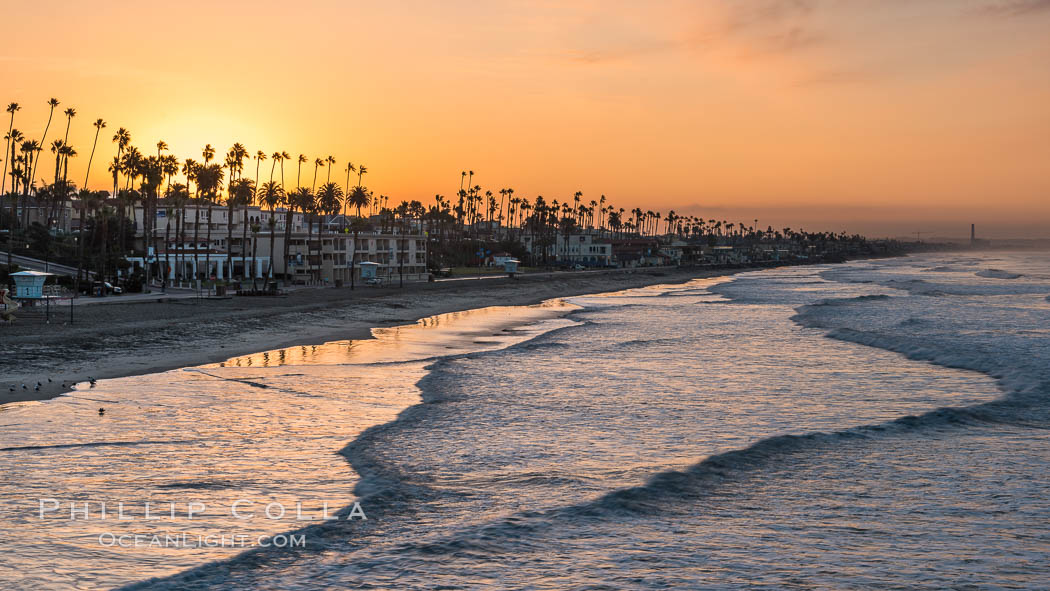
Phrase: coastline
[119,340]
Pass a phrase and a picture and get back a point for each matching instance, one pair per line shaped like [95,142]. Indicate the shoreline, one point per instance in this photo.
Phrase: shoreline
[121,340]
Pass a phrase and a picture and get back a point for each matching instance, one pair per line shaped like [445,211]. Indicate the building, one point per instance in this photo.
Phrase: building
[220,244]
[586,249]
[639,252]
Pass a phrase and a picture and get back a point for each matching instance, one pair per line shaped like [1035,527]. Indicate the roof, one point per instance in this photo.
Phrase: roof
[31,274]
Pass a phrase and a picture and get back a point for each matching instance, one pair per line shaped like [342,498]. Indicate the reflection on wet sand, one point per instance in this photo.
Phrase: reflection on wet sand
[443,334]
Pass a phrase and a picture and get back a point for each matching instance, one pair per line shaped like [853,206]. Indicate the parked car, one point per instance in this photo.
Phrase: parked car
[578,267]
[97,286]
[443,272]
[374,281]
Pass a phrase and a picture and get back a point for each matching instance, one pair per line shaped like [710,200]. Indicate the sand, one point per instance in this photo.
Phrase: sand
[116,339]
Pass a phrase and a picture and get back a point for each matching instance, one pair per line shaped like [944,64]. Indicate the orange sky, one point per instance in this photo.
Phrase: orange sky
[878,116]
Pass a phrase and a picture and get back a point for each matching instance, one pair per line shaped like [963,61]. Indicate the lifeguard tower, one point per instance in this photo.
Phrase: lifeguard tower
[29,285]
[369,272]
[511,267]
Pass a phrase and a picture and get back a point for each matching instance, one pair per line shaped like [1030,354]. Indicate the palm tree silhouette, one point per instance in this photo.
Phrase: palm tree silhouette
[53,102]
[241,192]
[329,200]
[69,113]
[271,194]
[300,199]
[209,182]
[357,198]
[299,171]
[349,169]
[331,163]
[11,108]
[99,125]
[318,163]
[259,157]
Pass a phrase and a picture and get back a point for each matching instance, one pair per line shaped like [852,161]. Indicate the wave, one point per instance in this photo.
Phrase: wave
[93,444]
[387,489]
[997,274]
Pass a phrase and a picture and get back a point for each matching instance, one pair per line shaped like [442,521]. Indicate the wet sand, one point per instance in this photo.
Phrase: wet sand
[116,340]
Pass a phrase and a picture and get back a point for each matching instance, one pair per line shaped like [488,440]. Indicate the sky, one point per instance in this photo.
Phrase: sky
[883,117]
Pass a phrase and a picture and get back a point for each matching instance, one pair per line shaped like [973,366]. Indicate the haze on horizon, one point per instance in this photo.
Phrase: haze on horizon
[879,117]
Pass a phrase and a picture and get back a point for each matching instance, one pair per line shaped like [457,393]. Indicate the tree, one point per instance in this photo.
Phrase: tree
[271,194]
[12,108]
[235,163]
[69,113]
[349,169]
[30,150]
[53,102]
[317,164]
[329,201]
[189,168]
[99,125]
[357,198]
[209,182]
[123,139]
[241,192]
[303,200]
[177,195]
[331,164]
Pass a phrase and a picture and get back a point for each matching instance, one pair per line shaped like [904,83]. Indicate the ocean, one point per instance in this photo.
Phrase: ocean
[877,424]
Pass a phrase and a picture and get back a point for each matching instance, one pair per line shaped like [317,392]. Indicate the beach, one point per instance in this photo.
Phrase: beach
[831,418]
[118,340]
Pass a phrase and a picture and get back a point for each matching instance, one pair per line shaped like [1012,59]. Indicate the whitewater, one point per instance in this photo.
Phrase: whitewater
[876,424]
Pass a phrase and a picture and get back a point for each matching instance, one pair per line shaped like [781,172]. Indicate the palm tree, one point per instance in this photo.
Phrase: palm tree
[331,163]
[349,169]
[317,163]
[259,157]
[284,156]
[53,102]
[274,159]
[235,163]
[241,192]
[11,108]
[99,125]
[300,199]
[14,140]
[357,198]
[271,195]
[122,139]
[69,113]
[299,171]
[177,195]
[191,168]
[30,150]
[209,182]
[329,200]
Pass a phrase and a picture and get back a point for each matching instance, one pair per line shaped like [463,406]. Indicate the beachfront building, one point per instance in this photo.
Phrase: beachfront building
[216,243]
[639,252]
[586,248]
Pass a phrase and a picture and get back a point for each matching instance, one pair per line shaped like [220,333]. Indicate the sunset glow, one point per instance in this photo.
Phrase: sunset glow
[878,117]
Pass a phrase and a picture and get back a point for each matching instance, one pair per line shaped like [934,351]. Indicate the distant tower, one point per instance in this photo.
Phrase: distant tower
[973,234]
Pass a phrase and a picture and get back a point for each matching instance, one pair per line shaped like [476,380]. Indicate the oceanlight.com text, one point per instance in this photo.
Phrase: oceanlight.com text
[187,540]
